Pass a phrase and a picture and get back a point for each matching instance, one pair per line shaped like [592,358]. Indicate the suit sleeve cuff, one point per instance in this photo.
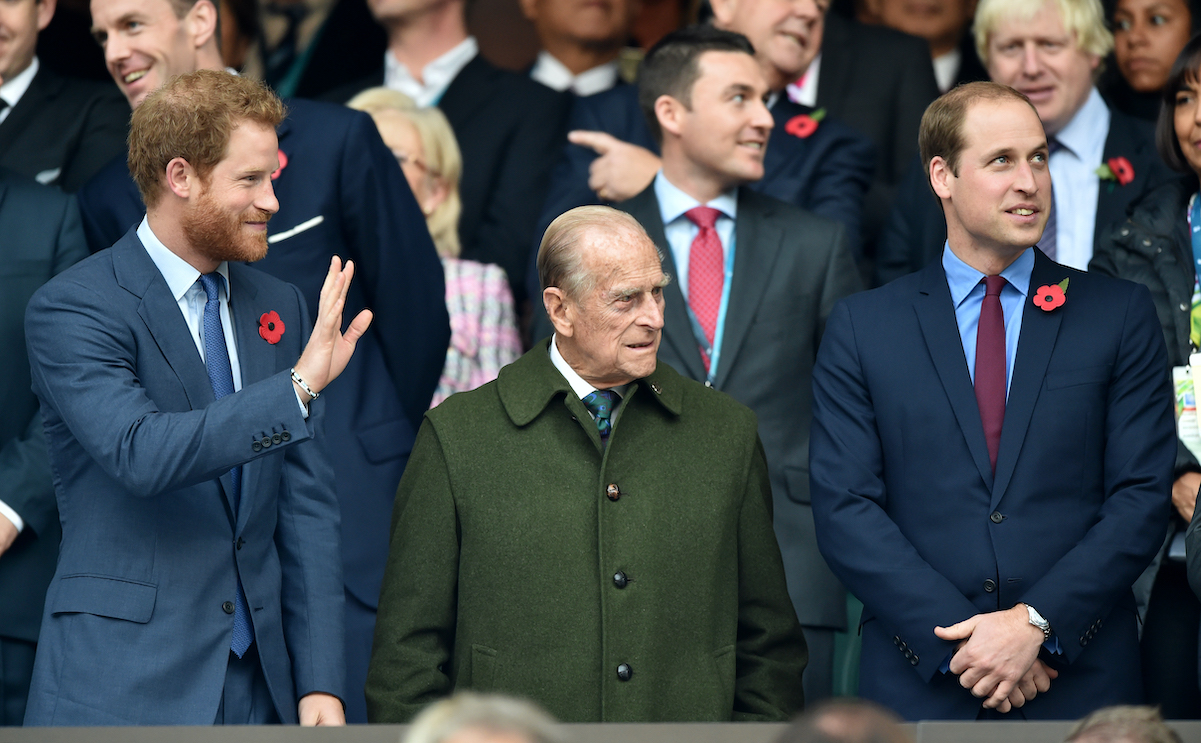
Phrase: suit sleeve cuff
[12,516]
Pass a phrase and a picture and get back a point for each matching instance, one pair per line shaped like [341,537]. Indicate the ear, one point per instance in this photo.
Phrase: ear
[940,177]
[45,12]
[559,310]
[529,9]
[669,111]
[201,23]
[181,178]
[724,12]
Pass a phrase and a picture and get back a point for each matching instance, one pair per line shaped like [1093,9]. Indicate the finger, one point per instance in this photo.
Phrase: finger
[358,326]
[347,277]
[1027,688]
[973,676]
[1001,693]
[986,689]
[1016,698]
[598,142]
[1005,706]
[327,287]
[959,631]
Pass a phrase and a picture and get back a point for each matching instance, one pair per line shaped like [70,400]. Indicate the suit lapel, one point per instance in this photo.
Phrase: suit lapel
[1035,344]
[469,93]
[43,86]
[677,326]
[256,357]
[936,315]
[758,239]
[834,80]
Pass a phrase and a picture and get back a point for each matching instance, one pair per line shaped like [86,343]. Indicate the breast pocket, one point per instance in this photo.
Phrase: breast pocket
[1078,377]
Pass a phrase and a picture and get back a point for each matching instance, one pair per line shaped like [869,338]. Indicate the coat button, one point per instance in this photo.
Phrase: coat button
[624,672]
[656,388]
[613,492]
[1146,242]
[256,446]
[620,580]
[914,660]
[276,438]
[1125,231]
[896,641]
[238,544]
[286,436]
[990,585]
[228,607]
[996,517]
[1183,307]
[266,441]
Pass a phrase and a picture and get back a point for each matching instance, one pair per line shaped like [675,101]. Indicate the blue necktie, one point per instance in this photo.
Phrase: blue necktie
[1051,231]
[601,403]
[216,359]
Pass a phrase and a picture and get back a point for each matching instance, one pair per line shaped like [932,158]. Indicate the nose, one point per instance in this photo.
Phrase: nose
[114,50]
[266,199]
[1136,36]
[1026,181]
[1032,63]
[652,312]
[807,9]
[762,118]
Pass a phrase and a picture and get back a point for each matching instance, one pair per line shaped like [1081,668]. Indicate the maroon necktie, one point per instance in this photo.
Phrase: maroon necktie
[990,365]
[706,273]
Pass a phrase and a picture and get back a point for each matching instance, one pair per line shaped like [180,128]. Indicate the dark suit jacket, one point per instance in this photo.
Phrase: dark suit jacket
[916,229]
[790,267]
[42,236]
[72,126]
[506,125]
[134,630]
[912,519]
[826,173]
[339,171]
[349,46]
[879,81]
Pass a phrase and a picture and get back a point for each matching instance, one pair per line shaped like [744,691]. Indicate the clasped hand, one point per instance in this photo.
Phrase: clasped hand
[329,349]
[997,658]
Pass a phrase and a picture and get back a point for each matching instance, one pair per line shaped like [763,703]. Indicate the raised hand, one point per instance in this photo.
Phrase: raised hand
[329,350]
[622,171]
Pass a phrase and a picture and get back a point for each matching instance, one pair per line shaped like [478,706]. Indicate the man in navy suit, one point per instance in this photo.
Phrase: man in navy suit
[826,169]
[992,447]
[341,192]
[198,579]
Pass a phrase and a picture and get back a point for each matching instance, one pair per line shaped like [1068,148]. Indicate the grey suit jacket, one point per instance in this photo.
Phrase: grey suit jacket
[790,267]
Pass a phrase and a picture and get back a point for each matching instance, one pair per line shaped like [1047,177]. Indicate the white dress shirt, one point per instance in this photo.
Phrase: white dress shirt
[12,90]
[1076,183]
[946,69]
[436,77]
[581,388]
[554,74]
[804,91]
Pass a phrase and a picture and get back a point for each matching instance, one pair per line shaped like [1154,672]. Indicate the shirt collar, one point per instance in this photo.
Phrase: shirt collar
[12,90]
[962,278]
[581,388]
[180,275]
[436,76]
[1085,134]
[946,68]
[554,74]
[673,202]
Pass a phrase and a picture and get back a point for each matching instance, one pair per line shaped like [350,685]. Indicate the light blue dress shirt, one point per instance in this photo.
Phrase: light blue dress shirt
[680,232]
[1074,175]
[967,294]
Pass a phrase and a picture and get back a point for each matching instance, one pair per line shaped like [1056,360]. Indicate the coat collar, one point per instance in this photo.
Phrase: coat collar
[528,385]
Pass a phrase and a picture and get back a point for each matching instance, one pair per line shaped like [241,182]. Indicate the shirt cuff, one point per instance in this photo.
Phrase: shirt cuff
[304,409]
[12,516]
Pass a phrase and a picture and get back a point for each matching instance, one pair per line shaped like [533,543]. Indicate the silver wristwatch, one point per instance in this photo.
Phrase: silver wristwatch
[1037,620]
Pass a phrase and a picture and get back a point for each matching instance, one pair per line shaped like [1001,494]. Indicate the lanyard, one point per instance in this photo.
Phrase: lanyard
[1194,224]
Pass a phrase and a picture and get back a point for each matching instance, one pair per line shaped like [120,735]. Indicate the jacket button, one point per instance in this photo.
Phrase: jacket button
[256,446]
[1146,242]
[286,436]
[996,517]
[990,585]
[613,492]
[656,388]
[1083,641]
[238,544]
[266,441]
[1125,231]
[276,438]
[914,660]
[620,580]
[228,607]
[896,641]
[1183,307]
[624,672]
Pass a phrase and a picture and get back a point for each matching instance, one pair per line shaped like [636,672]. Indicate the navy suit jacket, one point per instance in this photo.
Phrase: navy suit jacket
[916,228]
[911,518]
[827,173]
[342,192]
[135,631]
[42,236]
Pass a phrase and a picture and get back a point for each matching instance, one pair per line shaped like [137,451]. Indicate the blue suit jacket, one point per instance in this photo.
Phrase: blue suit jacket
[911,518]
[339,170]
[134,631]
[827,173]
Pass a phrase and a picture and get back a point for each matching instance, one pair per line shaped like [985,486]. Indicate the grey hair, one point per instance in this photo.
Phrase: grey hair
[1123,724]
[491,712]
[561,254]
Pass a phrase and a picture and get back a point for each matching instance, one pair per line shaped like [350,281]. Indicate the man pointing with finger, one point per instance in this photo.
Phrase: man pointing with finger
[992,447]
[199,579]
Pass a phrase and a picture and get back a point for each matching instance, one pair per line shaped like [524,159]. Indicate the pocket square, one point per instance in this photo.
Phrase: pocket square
[306,225]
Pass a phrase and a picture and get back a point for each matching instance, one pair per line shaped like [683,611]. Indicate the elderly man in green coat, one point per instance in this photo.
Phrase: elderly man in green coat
[592,530]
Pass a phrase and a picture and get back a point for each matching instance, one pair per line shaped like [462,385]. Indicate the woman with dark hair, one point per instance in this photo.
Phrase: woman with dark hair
[1148,36]
[1156,247]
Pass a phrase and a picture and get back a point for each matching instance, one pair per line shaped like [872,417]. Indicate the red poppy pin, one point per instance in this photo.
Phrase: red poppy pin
[1049,297]
[283,163]
[1116,170]
[271,328]
[805,125]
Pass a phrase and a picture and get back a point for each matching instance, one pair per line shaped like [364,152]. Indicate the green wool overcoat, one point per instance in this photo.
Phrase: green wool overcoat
[527,560]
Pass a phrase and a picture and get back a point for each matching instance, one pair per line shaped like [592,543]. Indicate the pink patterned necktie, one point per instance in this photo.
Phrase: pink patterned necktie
[990,365]
[706,272]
